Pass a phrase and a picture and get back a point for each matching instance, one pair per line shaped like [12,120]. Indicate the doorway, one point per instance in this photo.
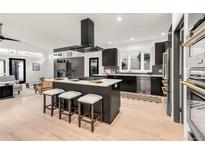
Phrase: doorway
[93,66]
[178,71]
[17,67]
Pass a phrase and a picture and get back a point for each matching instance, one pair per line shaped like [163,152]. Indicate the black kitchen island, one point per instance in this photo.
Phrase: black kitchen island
[109,89]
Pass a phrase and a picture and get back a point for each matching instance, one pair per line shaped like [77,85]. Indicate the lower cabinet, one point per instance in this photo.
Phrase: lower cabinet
[156,84]
[140,84]
[129,83]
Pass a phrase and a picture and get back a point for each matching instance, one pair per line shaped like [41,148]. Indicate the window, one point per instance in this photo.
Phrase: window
[124,62]
[146,61]
[2,67]
[135,62]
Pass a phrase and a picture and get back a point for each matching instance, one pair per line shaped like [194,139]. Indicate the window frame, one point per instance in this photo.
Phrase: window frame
[121,55]
[4,65]
[142,69]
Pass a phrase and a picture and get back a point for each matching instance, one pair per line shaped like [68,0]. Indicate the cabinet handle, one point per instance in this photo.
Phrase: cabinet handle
[201,61]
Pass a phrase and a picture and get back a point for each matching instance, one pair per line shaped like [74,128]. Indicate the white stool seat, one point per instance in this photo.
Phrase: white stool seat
[90,98]
[53,92]
[69,95]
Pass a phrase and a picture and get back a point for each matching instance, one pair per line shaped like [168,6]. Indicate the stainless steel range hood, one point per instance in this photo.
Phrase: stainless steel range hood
[87,39]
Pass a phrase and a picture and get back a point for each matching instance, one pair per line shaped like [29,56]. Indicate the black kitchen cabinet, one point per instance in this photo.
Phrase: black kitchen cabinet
[156,84]
[160,48]
[129,83]
[109,57]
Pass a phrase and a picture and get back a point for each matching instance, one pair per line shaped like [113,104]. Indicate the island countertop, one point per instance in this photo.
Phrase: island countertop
[131,74]
[105,82]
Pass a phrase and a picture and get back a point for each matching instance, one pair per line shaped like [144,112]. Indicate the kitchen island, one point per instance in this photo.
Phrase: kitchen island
[109,89]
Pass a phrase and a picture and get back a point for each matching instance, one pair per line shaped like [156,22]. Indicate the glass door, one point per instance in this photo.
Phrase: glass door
[17,67]
[93,66]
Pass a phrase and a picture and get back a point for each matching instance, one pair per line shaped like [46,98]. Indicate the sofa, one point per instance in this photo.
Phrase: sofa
[11,80]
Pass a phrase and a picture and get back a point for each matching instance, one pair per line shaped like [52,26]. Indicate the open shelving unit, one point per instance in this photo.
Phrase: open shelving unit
[164,87]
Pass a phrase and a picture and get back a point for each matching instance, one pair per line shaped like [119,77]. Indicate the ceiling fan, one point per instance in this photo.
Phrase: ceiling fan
[2,38]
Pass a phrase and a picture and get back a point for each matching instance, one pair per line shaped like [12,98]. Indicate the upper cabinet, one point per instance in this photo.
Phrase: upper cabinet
[109,57]
[160,48]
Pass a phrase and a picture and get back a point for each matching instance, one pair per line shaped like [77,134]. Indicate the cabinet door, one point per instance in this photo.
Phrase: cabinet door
[109,57]
[159,50]
[128,83]
[156,84]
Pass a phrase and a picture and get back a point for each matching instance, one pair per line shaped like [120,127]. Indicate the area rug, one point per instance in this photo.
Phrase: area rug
[143,97]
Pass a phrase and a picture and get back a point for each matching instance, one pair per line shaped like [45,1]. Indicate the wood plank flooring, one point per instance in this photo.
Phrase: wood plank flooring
[22,119]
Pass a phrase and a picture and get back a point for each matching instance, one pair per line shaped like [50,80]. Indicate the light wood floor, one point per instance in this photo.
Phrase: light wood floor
[22,119]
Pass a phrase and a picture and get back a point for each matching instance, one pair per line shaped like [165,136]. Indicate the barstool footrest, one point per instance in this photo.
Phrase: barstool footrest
[65,112]
[99,116]
[74,112]
[49,107]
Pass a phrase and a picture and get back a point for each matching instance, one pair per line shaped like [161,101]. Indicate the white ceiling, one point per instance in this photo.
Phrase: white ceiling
[49,31]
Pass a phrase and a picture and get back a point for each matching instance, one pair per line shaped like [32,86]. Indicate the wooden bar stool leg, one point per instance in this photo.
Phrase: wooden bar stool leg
[79,114]
[69,111]
[101,111]
[57,101]
[44,103]
[52,101]
[90,112]
[92,118]
[59,108]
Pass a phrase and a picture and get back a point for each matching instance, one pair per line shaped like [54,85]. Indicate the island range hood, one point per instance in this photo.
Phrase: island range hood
[87,39]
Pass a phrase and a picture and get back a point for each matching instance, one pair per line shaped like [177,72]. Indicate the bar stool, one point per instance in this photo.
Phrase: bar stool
[90,99]
[69,96]
[53,105]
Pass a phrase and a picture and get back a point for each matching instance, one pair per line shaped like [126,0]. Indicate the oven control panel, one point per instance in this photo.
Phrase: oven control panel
[197,73]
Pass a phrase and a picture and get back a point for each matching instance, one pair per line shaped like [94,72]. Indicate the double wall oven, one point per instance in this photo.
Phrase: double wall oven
[196,81]
[196,104]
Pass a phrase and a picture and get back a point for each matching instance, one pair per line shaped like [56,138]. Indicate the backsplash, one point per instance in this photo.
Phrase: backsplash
[157,69]
[111,69]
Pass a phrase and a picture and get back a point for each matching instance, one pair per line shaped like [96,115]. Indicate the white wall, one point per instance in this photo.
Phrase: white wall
[144,45]
[49,65]
[86,61]
[46,67]
[31,75]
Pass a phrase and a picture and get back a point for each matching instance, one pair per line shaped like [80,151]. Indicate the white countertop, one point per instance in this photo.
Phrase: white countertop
[125,74]
[105,82]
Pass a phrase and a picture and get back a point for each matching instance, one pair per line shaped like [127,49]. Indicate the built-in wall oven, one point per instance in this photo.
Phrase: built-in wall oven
[196,83]
[196,104]
[196,54]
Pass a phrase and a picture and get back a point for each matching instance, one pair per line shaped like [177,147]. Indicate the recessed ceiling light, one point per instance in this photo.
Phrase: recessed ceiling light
[163,33]
[132,39]
[109,42]
[119,18]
